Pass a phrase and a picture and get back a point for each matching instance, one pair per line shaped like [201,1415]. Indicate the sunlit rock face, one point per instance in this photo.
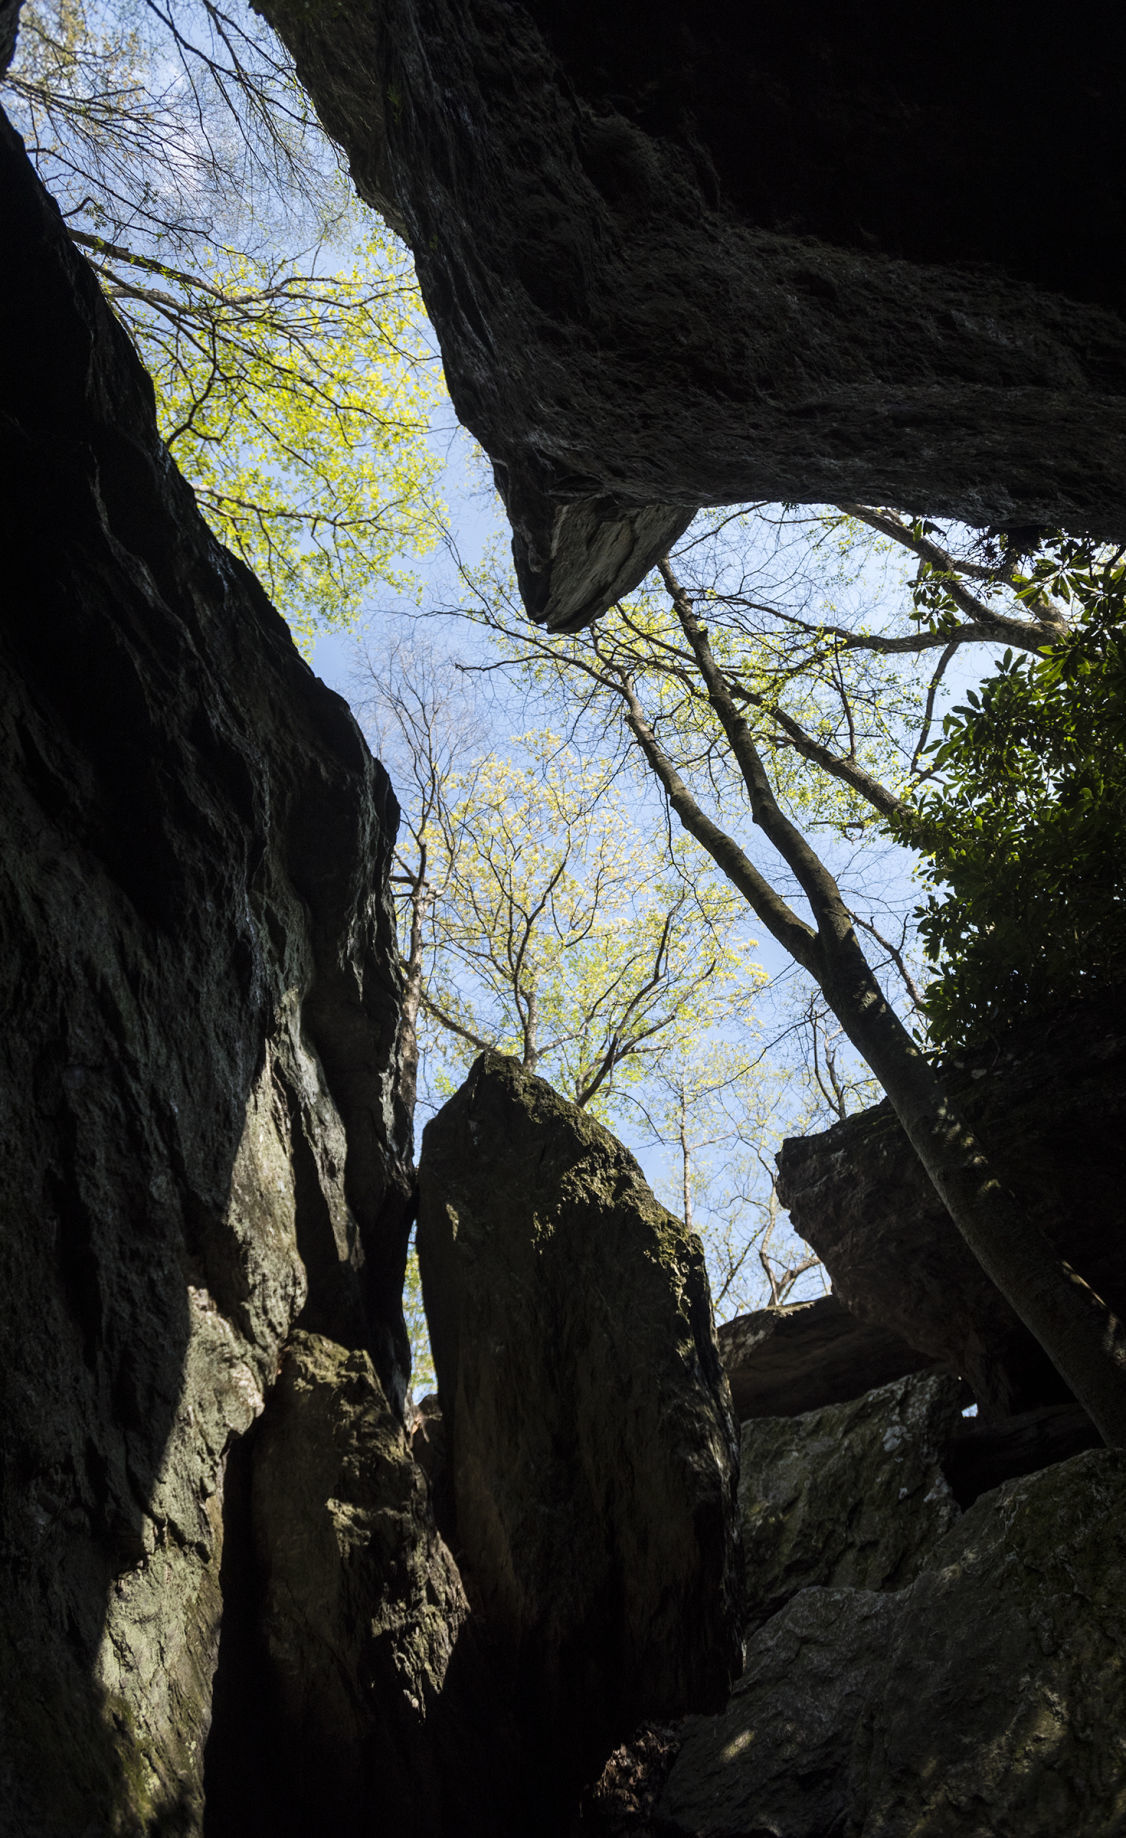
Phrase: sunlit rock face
[693,254]
[588,1425]
[384,1716]
[200,1140]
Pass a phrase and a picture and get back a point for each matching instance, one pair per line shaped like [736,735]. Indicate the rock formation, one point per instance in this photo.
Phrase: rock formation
[383,1714]
[586,1416]
[850,1495]
[988,1696]
[200,1136]
[798,1356]
[9,22]
[1050,1106]
[692,255]
[668,266]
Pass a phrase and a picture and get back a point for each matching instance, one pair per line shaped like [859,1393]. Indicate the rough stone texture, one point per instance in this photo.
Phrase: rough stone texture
[987,1698]
[851,1496]
[775,1764]
[381,1710]
[9,27]
[1050,1107]
[199,1133]
[587,1418]
[982,1455]
[799,1356]
[1003,1706]
[694,254]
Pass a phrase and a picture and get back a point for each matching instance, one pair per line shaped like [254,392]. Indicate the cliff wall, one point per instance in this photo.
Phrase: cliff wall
[696,255]
[200,1138]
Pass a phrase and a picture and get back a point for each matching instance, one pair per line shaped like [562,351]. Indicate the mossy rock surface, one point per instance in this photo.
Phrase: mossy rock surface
[591,1440]
[852,1495]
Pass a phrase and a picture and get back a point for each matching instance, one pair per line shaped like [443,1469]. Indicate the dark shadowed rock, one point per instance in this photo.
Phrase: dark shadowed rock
[200,1137]
[587,1418]
[981,1455]
[383,1721]
[851,1496]
[785,1360]
[682,255]
[9,26]
[987,1697]
[775,1764]
[1003,1703]
[1050,1107]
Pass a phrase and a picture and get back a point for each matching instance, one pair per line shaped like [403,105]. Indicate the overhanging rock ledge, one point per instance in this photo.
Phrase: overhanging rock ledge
[679,256]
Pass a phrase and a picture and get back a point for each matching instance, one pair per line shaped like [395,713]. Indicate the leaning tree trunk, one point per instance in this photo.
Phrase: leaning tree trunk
[1081,1336]
[1078,1332]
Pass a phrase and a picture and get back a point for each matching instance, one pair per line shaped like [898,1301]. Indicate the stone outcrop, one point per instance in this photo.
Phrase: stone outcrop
[987,1697]
[981,1455]
[587,1420]
[200,1139]
[382,1712]
[799,1356]
[9,23]
[1050,1106]
[777,1760]
[850,1496]
[687,256]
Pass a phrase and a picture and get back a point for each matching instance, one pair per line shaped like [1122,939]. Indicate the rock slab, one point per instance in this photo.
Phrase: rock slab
[381,1700]
[985,1699]
[587,1418]
[851,1496]
[687,255]
[798,1356]
[1049,1104]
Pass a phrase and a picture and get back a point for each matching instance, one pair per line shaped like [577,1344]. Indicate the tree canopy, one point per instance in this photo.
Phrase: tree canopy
[279,320]
[1021,822]
[716,731]
[543,913]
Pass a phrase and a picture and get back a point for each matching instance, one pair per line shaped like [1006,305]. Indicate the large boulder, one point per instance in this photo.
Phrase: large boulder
[688,254]
[201,1140]
[383,1713]
[777,1760]
[1049,1104]
[987,1697]
[9,26]
[798,1356]
[587,1419]
[853,1495]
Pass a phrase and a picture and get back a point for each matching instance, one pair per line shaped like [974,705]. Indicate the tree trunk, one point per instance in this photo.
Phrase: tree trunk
[685,1159]
[1083,1339]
